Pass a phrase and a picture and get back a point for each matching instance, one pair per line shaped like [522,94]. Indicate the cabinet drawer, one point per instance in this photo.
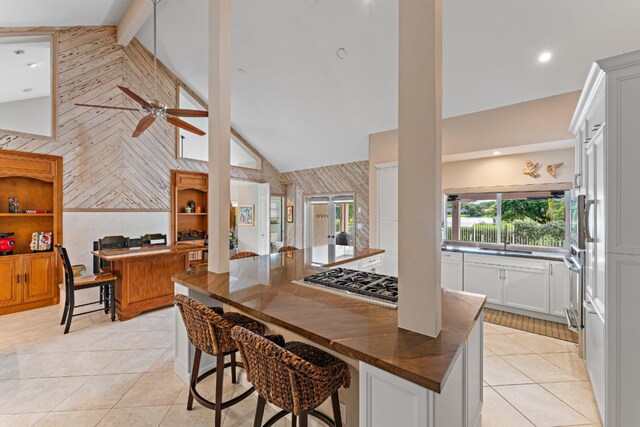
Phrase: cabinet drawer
[377,259]
[507,261]
[451,256]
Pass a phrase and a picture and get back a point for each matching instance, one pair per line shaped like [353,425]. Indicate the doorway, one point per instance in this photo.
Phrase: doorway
[331,220]
[276,213]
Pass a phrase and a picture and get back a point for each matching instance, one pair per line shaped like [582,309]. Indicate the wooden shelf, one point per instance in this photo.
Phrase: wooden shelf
[191,214]
[7,215]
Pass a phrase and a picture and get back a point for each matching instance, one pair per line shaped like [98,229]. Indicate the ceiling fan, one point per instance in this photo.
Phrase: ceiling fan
[156,109]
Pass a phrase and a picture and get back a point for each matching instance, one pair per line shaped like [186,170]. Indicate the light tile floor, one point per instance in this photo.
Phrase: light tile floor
[121,374]
[532,380]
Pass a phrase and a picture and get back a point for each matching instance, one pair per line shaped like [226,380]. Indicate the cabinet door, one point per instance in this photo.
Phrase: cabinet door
[9,277]
[451,271]
[38,277]
[559,288]
[526,289]
[484,279]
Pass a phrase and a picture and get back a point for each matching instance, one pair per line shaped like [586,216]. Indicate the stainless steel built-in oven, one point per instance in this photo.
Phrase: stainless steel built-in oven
[575,262]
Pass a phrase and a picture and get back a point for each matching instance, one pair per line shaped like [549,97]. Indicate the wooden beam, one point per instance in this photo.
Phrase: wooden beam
[133,19]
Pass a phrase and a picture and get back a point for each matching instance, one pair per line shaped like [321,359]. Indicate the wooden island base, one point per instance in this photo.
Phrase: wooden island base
[144,276]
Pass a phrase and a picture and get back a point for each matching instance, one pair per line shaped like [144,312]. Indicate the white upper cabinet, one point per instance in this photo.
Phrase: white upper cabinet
[388,194]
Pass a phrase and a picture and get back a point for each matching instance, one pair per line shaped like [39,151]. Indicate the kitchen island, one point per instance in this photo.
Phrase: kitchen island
[400,377]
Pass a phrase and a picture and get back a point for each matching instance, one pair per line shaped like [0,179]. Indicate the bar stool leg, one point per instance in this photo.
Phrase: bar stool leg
[194,377]
[257,422]
[219,382]
[294,421]
[337,417]
[234,378]
[304,420]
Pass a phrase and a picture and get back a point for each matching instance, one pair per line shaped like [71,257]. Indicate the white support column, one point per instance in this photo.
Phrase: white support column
[219,133]
[419,161]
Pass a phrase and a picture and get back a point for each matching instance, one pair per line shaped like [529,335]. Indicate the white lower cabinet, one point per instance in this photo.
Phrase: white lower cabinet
[388,400]
[485,279]
[526,289]
[527,285]
[452,271]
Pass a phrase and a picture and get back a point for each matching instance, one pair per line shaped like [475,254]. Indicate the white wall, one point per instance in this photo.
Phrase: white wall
[28,116]
[80,229]
[243,193]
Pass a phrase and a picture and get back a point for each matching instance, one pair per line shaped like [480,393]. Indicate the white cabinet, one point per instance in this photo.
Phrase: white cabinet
[452,270]
[559,288]
[485,279]
[595,353]
[526,285]
[388,400]
[372,264]
[525,288]
[387,223]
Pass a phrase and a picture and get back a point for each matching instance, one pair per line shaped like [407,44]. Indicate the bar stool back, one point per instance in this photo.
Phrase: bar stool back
[209,330]
[294,376]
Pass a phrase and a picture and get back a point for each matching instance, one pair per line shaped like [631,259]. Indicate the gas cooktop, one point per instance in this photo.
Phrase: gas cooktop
[369,286]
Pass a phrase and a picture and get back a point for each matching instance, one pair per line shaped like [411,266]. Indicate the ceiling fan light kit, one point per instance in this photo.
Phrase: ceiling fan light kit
[155,109]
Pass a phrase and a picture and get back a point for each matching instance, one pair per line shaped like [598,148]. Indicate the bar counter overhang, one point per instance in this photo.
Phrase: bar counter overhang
[261,287]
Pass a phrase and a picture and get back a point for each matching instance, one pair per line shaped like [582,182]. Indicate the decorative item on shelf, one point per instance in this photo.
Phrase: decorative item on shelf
[245,215]
[14,205]
[198,209]
[233,240]
[191,235]
[41,241]
[7,243]
[531,169]
[553,169]
[34,211]
[187,209]
[289,214]
[192,205]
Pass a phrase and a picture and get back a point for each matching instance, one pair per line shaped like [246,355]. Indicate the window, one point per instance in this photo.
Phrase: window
[518,218]
[194,147]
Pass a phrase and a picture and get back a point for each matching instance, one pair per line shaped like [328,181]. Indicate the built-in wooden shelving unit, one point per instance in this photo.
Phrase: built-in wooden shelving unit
[186,187]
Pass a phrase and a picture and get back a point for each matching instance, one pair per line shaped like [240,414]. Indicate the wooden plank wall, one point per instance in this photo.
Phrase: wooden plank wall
[344,178]
[104,167]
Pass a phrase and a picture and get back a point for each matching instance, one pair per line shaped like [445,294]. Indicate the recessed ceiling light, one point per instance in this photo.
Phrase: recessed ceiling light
[241,70]
[544,57]
[19,52]
[341,53]
[33,65]
[312,2]
[27,90]
[496,153]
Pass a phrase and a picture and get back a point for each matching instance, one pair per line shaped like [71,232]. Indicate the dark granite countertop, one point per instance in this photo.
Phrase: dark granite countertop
[261,287]
[550,256]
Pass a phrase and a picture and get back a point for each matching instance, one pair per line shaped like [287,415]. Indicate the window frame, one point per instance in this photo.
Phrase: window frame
[498,196]
[203,104]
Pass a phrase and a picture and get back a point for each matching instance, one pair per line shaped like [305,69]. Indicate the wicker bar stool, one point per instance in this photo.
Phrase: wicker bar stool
[209,331]
[293,376]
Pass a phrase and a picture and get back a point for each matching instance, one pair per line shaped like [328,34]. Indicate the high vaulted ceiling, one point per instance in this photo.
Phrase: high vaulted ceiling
[302,106]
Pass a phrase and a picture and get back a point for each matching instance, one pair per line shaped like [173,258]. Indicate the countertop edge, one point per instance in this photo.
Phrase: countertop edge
[551,256]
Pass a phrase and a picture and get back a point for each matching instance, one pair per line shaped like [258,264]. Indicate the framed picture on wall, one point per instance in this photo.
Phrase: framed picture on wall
[289,213]
[246,215]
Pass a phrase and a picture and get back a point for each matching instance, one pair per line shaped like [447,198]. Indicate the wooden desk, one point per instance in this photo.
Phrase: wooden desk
[144,276]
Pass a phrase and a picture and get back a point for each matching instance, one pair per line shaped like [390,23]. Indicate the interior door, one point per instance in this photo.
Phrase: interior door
[264,219]
[38,277]
[331,221]
[10,275]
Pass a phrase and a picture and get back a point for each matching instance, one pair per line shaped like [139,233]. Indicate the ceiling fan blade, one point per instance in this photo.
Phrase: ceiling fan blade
[143,124]
[184,125]
[135,97]
[108,106]
[187,113]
